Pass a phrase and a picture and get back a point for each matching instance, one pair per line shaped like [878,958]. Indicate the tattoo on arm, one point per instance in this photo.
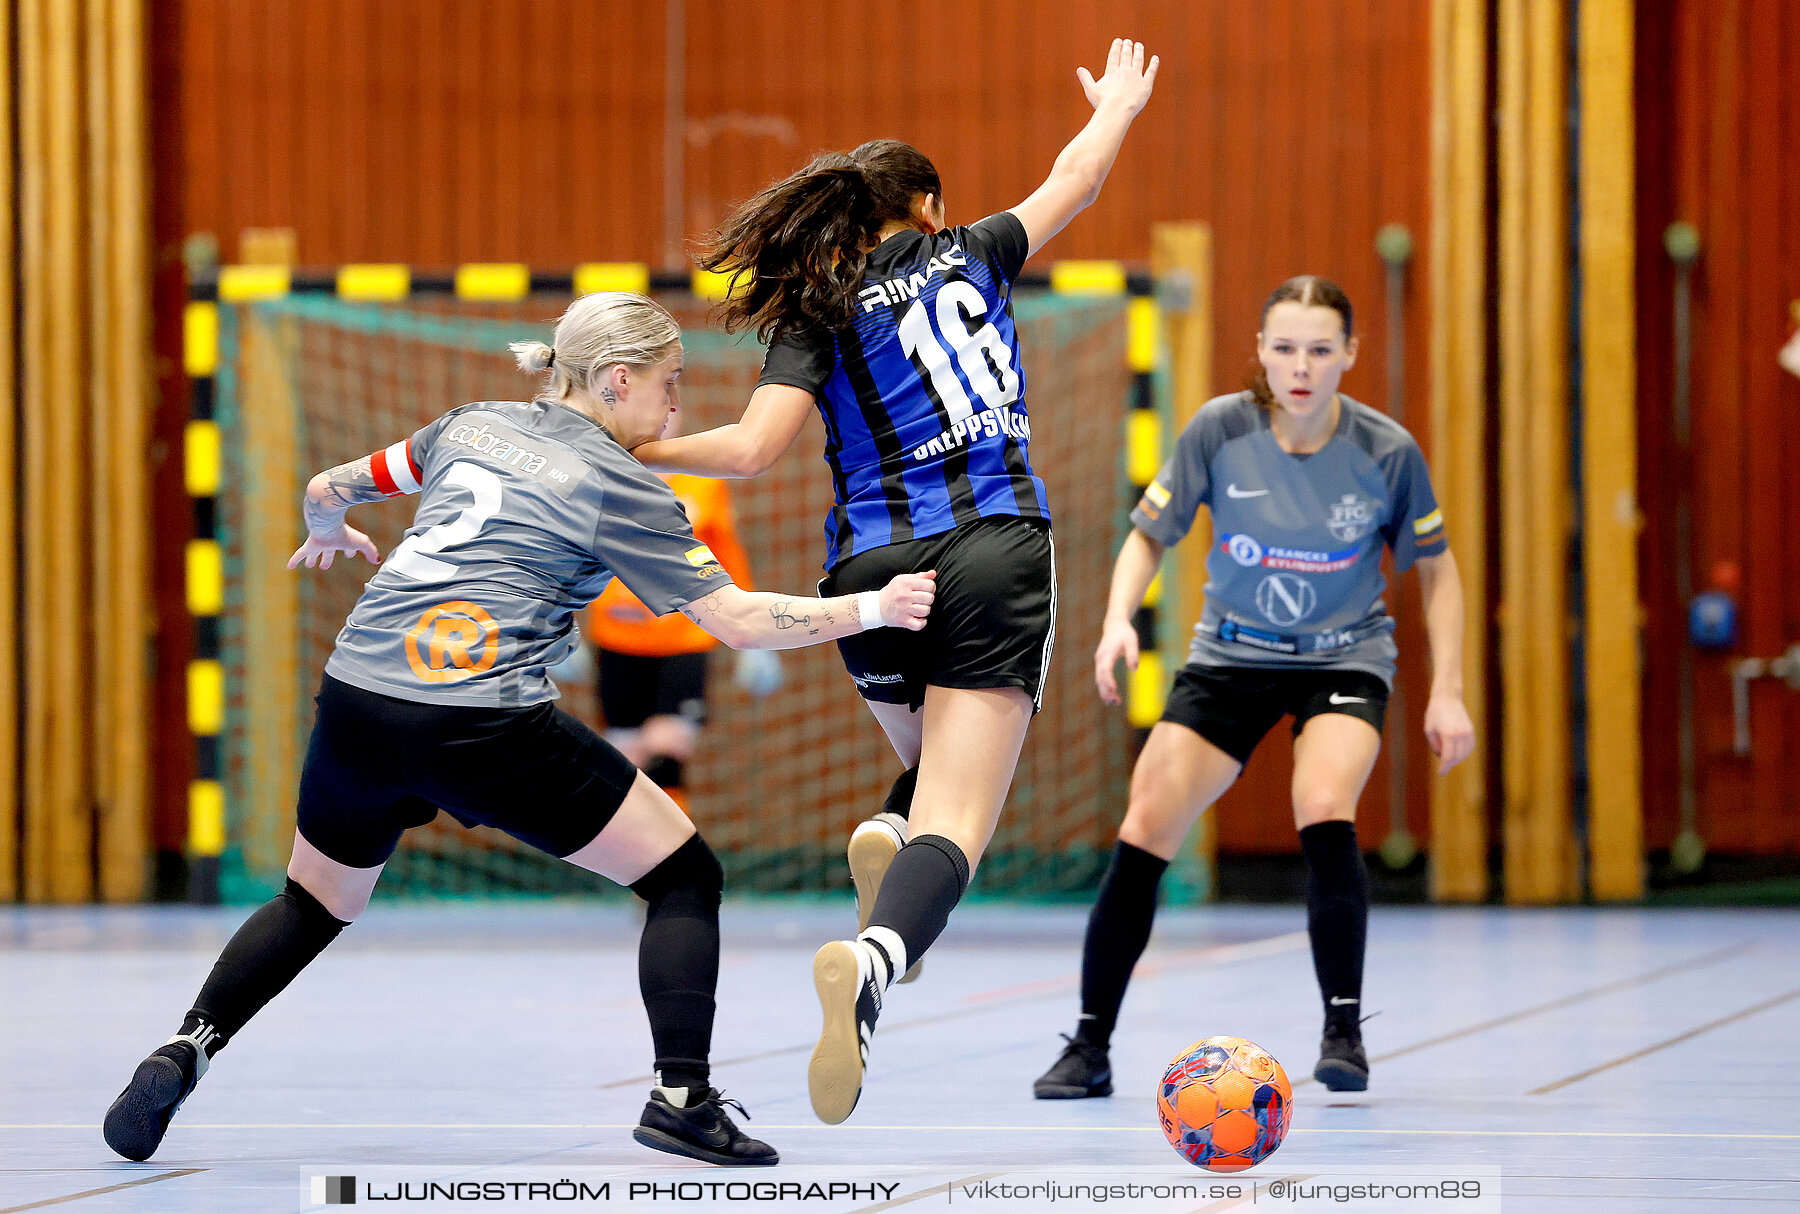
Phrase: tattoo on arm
[321,519]
[354,483]
[699,607]
[784,619]
[346,485]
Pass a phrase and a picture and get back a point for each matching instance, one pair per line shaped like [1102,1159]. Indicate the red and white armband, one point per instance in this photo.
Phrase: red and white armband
[394,469]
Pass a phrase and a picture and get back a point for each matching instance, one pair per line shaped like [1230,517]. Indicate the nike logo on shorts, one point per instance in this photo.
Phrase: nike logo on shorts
[1234,491]
[1339,1001]
[1335,698]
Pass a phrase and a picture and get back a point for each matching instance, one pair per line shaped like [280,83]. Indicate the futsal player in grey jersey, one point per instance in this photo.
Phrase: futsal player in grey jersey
[1306,487]
[436,696]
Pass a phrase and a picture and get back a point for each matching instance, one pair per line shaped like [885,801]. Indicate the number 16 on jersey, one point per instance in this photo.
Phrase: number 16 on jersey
[985,358]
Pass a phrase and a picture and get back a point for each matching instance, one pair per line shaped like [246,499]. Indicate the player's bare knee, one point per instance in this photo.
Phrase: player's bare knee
[340,889]
[1158,808]
[970,827]
[1159,836]
[345,900]
[1312,806]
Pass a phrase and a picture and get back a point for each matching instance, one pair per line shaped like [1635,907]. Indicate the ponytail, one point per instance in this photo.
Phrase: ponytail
[596,333]
[797,250]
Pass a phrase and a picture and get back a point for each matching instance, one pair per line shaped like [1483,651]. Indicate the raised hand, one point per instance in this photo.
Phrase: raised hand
[1127,80]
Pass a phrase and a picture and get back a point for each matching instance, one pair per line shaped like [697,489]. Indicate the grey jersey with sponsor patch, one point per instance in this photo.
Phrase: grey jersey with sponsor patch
[1294,575]
[527,511]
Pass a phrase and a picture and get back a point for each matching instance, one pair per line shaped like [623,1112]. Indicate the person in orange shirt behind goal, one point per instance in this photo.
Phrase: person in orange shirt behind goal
[652,679]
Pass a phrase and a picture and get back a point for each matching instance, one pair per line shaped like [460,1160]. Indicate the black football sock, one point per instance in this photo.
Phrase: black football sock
[922,886]
[1118,928]
[678,960]
[1337,915]
[899,798]
[261,958]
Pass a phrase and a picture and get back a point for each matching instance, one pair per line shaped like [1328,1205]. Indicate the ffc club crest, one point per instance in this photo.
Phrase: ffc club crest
[1351,517]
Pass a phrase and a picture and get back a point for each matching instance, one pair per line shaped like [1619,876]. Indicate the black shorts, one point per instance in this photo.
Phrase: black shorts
[1234,706]
[377,766]
[634,688]
[992,622]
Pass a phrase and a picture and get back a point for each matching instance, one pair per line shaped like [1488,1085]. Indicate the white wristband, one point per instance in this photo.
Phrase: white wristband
[868,606]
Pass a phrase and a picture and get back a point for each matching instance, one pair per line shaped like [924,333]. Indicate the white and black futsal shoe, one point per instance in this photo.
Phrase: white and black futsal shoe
[138,1119]
[873,845]
[850,998]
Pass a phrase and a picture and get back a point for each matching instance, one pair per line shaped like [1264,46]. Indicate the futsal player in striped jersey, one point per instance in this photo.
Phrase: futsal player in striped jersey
[898,329]
[1306,487]
[436,696]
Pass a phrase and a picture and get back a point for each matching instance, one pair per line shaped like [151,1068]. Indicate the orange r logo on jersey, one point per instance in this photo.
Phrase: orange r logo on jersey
[439,646]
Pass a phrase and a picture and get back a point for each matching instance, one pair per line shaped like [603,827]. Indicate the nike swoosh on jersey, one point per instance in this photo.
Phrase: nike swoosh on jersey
[1335,698]
[1234,491]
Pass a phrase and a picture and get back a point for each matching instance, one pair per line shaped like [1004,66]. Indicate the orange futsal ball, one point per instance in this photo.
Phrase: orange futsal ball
[1224,1103]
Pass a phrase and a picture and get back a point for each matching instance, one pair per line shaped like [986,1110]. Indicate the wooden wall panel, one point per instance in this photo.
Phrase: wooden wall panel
[1457,261]
[1718,105]
[1531,215]
[457,130]
[75,455]
[1609,452]
[119,406]
[10,356]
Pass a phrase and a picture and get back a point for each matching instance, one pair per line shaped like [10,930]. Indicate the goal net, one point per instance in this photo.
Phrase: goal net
[309,381]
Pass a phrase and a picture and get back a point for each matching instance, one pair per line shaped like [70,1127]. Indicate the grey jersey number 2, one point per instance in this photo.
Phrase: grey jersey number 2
[526,511]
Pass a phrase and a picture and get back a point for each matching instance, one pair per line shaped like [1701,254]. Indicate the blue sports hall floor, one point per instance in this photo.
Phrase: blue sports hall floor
[1569,1059]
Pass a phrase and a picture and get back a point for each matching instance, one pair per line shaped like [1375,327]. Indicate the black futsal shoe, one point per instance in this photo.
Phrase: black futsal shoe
[1083,1070]
[1343,1066]
[138,1119]
[702,1130]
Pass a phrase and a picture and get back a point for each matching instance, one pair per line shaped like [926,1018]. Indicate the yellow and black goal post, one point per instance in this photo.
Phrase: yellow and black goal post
[295,369]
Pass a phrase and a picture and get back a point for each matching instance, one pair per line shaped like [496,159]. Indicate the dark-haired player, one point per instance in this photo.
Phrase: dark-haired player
[1306,487]
[436,696]
[899,330]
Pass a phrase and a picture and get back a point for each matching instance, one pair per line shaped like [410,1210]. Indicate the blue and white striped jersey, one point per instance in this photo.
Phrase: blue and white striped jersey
[924,395]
